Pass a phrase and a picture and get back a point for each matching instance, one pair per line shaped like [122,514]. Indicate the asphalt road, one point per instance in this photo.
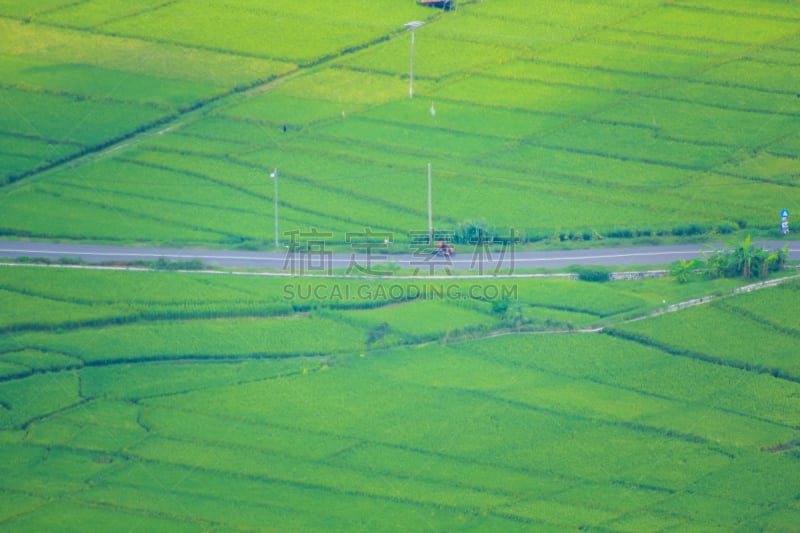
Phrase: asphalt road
[374,261]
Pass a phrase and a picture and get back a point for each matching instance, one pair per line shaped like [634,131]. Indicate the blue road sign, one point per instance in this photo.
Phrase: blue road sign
[785,213]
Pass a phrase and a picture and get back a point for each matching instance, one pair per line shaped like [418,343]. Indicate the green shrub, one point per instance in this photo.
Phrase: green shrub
[591,273]
[377,333]
[500,307]
[620,233]
[167,264]
[688,230]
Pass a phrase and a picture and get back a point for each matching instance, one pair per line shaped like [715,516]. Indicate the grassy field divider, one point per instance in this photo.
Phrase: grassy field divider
[89,153]
[628,425]
[245,191]
[124,211]
[728,307]
[666,348]
[90,150]
[198,175]
[253,309]
[71,324]
[36,371]
[716,297]
[83,97]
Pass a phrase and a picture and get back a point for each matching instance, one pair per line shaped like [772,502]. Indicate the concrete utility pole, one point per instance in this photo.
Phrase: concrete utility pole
[430,208]
[412,26]
[274,176]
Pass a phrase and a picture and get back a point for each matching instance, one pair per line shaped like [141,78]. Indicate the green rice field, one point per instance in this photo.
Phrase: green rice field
[577,121]
[238,401]
[215,402]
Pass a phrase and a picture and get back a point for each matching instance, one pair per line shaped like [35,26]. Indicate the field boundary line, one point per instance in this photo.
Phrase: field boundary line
[710,298]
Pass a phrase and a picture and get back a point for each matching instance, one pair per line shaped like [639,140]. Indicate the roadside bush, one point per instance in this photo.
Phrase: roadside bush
[620,233]
[165,264]
[535,235]
[475,232]
[591,273]
[687,230]
[727,227]
[71,261]
[232,240]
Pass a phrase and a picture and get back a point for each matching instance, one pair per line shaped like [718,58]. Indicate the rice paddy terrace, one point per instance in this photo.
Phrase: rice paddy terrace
[214,402]
[204,402]
[160,122]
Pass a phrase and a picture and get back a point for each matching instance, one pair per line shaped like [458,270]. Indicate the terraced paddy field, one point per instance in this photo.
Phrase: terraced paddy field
[213,402]
[160,122]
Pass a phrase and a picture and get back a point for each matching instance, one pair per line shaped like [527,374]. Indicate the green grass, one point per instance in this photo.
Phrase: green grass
[91,81]
[278,109]
[556,73]
[639,117]
[23,401]
[213,339]
[77,90]
[453,117]
[713,335]
[425,318]
[777,168]
[723,126]
[526,96]
[436,57]
[67,119]
[329,29]
[22,209]
[185,421]
[199,402]
[11,8]
[24,311]
[167,60]
[713,24]
[72,516]
[626,58]
[36,148]
[133,381]
[770,312]
[94,14]
[30,360]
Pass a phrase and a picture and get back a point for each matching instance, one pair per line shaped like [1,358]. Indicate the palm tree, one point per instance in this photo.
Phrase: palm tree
[742,257]
[739,259]
[682,268]
[715,262]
